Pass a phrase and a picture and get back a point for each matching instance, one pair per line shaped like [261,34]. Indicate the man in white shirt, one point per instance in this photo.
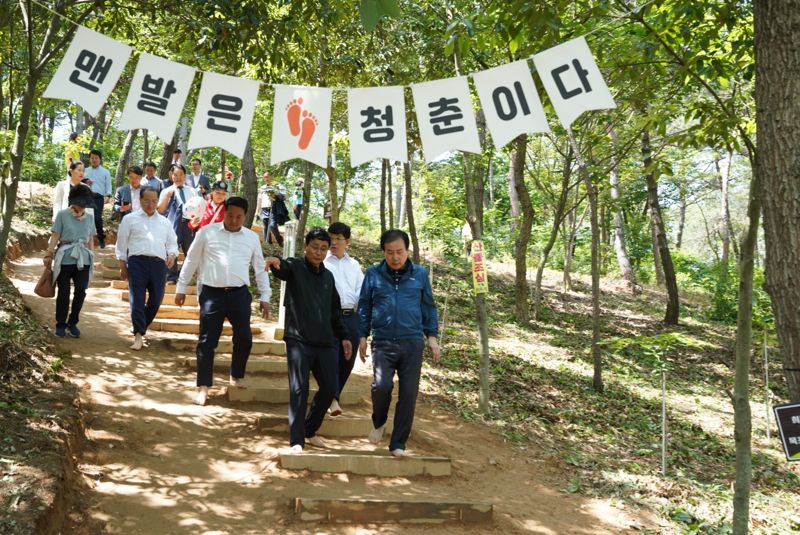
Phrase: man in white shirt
[170,204]
[99,179]
[348,276]
[146,247]
[222,254]
[197,179]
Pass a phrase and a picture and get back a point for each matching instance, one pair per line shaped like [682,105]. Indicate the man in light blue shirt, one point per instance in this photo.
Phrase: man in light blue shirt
[99,179]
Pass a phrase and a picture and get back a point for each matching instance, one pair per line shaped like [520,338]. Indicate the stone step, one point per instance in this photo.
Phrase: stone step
[260,347]
[222,363]
[280,394]
[190,327]
[332,426]
[376,463]
[169,299]
[361,511]
[168,289]
[173,312]
[108,273]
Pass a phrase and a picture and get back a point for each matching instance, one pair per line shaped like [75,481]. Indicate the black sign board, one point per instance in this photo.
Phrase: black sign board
[788,418]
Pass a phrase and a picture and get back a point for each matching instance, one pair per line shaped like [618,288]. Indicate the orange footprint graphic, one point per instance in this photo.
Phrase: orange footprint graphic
[293,110]
[307,129]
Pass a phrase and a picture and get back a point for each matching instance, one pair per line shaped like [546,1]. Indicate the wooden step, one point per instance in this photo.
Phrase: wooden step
[222,363]
[280,394]
[190,327]
[169,299]
[260,347]
[338,426]
[168,289]
[375,463]
[361,511]
[173,312]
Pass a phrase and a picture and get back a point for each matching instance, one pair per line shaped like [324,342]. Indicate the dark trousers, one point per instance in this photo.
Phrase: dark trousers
[185,238]
[145,274]
[69,275]
[346,366]
[99,203]
[405,358]
[217,304]
[297,209]
[320,361]
[270,228]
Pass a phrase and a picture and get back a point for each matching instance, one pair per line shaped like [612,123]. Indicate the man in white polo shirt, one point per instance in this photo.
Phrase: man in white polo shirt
[222,254]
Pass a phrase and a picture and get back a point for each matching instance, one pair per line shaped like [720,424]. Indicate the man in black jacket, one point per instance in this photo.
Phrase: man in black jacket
[313,326]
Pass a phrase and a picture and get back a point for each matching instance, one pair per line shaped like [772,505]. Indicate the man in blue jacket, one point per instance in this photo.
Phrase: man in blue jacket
[396,305]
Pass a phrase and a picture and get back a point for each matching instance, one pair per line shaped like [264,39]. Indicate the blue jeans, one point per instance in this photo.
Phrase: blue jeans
[145,274]
[403,357]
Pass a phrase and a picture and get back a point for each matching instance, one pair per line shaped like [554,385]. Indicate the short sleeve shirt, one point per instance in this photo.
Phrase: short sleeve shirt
[71,229]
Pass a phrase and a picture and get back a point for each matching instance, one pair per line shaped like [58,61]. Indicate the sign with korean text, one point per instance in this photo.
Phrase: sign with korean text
[788,418]
[510,102]
[572,80]
[89,70]
[480,279]
[158,92]
[445,117]
[377,120]
[301,124]
[224,113]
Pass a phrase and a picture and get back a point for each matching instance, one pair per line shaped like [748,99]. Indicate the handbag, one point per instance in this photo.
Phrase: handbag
[45,287]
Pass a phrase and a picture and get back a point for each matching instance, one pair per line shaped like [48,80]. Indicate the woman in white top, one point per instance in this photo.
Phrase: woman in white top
[61,196]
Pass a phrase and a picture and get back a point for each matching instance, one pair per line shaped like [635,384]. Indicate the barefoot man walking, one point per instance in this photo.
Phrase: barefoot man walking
[222,254]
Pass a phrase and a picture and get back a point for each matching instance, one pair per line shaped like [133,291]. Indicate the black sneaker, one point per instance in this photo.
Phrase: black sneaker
[60,331]
[73,331]
[102,244]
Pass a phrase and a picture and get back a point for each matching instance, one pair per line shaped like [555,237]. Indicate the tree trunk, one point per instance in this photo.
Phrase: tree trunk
[657,263]
[681,216]
[389,200]
[412,227]
[558,217]
[249,182]
[569,239]
[166,157]
[724,229]
[301,223]
[778,121]
[333,196]
[384,165]
[399,207]
[124,160]
[183,133]
[491,181]
[222,163]
[597,359]
[514,200]
[623,260]
[673,300]
[146,147]
[517,176]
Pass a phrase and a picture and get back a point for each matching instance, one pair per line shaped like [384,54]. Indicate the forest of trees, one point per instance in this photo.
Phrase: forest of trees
[664,191]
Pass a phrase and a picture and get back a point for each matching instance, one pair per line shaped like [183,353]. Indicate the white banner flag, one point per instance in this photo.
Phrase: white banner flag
[224,113]
[572,80]
[445,117]
[157,95]
[89,71]
[377,119]
[510,102]
[301,123]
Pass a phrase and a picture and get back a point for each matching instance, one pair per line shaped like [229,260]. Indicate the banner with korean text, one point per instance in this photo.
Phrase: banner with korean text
[445,117]
[89,70]
[224,113]
[480,279]
[301,123]
[377,121]
[158,92]
[572,80]
[510,102]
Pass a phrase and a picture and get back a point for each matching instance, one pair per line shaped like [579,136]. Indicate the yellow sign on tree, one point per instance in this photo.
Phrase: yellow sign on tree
[480,280]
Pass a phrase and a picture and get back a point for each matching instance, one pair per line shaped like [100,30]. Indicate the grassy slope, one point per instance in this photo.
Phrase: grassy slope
[542,400]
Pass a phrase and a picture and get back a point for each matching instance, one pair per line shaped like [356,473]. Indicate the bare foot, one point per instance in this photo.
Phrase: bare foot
[293,110]
[308,127]
[236,383]
[202,396]
[138,342]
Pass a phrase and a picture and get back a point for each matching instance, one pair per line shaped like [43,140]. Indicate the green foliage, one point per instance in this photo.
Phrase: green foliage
[652,351]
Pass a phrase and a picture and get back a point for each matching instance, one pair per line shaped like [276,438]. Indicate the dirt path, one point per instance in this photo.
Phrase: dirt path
[155,464]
